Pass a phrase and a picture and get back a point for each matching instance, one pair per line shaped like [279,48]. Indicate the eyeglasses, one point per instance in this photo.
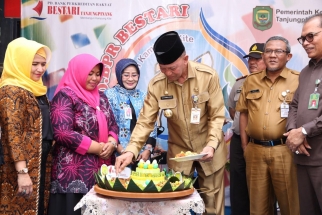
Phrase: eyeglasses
[277,51]
[127,76]
[309,37]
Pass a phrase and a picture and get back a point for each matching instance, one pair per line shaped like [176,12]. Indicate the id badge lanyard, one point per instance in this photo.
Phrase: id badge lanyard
[314,97]
[195,111]
[127,111]
[284,106]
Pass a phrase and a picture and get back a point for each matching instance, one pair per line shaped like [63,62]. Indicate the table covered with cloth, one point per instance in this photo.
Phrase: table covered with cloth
[96,204]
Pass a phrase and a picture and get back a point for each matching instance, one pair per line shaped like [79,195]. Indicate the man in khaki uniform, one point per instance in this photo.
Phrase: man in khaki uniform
[190,95]
[263,107]
[239,200]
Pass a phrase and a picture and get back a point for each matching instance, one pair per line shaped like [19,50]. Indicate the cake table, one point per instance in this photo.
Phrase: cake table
[95,204]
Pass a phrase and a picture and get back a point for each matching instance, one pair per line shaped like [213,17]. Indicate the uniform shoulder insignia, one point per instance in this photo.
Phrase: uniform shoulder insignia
[256,73]
[158,77]
[245,76]
[295,72]
[205,69]
[200,67]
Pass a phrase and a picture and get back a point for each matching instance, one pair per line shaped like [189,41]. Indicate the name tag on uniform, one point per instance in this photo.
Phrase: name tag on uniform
[195,116]
[166,97]
[284,110]
[314,101]
[254,91]
[127,112]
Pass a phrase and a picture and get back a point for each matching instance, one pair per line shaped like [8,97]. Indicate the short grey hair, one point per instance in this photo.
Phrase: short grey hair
[317,15]
[288,46]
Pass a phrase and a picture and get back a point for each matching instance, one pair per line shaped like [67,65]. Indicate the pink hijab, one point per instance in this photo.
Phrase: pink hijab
[75,79]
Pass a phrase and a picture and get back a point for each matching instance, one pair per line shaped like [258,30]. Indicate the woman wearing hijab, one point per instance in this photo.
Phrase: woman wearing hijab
[85,132]
[26,131]
[126,102]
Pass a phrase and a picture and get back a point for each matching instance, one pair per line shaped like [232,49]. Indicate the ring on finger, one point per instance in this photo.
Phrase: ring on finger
[23,191]
[297,152]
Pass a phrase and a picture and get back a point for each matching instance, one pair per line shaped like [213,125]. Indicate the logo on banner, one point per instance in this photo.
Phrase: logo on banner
[38,9]
[262,17]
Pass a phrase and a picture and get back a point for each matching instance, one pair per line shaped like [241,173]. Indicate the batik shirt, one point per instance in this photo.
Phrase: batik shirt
[119,99]
[75,126]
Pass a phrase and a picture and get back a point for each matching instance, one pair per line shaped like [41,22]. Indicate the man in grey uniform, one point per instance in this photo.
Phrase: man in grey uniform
[304,136]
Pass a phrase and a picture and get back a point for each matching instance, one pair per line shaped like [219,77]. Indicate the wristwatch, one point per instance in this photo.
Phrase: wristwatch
[148,148]
[23,171]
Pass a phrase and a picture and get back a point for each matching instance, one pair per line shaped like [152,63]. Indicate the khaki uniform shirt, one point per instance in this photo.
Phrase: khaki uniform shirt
[232,101]
[203,82]
[262,100]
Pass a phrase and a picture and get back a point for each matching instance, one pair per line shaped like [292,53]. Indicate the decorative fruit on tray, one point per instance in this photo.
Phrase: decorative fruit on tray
[146,178]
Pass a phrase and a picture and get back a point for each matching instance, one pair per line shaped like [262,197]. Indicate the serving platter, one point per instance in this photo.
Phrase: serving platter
[142,196]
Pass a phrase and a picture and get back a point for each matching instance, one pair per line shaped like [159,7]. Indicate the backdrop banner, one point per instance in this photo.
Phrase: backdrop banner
[216,33]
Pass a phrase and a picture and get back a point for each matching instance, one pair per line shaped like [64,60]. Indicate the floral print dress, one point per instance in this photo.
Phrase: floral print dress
[74,123]
[120,98]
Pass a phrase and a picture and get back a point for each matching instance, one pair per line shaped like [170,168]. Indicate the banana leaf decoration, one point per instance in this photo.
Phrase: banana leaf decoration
[187,183]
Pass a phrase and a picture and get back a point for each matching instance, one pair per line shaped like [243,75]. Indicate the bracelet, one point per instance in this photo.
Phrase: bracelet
[101,148]
[148,148]
[123,150]
[114,143]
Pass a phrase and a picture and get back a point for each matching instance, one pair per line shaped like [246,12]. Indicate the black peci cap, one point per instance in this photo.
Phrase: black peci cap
[168,48]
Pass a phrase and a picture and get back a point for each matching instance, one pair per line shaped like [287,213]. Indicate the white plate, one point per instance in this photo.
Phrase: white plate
[188,158]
